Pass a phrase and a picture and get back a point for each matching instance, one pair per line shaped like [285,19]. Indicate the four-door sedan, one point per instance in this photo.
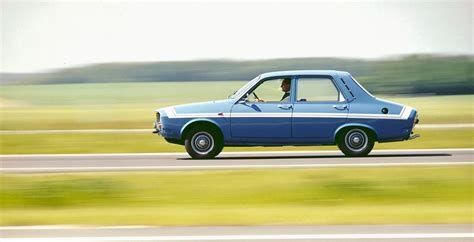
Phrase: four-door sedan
[289,108]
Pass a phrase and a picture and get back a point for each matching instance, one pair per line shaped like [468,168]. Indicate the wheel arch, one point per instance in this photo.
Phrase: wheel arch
[208,123]
[370,130]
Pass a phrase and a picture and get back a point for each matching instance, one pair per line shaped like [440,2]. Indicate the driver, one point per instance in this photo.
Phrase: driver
[285,87]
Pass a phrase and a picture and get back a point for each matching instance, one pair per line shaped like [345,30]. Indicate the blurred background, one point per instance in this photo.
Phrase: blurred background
[107,65]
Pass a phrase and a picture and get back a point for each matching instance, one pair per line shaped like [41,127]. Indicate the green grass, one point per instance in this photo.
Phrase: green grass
[147,142]
[90,106]
[397,195]
[118,93]
[440,109]
[132,105]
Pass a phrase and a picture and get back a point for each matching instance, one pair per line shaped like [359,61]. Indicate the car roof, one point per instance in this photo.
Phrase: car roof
[303,72]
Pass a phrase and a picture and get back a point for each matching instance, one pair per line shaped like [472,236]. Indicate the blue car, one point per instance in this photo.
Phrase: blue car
[289,108]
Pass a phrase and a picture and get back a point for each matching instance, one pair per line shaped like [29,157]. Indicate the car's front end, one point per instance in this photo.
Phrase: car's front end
[172,122]
[165,128]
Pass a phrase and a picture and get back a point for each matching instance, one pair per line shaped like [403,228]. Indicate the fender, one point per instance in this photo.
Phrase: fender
[354,124]
[199,120]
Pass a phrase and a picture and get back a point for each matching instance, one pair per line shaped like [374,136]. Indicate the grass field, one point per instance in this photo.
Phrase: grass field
[396,195]
[132,105]
[127,105]
[401,195]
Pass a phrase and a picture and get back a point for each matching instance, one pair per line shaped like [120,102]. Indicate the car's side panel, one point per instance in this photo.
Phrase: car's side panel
[222,123]
[396,124]
[261,120]
[317,119]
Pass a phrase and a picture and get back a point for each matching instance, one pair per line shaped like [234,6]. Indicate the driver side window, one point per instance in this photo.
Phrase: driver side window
[267,91]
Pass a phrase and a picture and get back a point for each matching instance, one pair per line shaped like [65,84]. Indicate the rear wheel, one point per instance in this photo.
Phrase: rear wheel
[355,142]
[203,143]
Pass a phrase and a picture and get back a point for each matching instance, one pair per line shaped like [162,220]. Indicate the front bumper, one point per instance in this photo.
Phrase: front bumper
[157,127]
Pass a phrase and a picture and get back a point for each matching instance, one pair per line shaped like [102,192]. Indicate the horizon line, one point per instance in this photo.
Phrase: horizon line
[385,57]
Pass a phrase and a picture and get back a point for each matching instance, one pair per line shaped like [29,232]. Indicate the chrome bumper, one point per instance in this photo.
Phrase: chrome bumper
[415,122]
[156,127]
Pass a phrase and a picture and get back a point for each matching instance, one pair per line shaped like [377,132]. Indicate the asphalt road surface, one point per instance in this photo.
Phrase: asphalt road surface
[230,160]
[333,233]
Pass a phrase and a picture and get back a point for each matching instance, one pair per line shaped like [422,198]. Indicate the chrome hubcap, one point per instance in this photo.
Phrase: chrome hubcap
[356,140]
[202,142]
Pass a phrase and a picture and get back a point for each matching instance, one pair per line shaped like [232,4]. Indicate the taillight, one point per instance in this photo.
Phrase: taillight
[416,121]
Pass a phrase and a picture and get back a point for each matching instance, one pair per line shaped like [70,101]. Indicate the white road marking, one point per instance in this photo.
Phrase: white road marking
[291,152]
[250,237]
[76,131]
[444,126]
[71,227]
[118,131]
[217,167]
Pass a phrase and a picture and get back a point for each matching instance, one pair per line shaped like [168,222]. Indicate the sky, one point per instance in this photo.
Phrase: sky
[46,35]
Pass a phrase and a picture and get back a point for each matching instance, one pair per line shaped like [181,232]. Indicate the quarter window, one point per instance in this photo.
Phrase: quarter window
[317,90]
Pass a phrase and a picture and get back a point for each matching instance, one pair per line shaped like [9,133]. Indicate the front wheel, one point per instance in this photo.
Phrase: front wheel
[355,142]
[203,143]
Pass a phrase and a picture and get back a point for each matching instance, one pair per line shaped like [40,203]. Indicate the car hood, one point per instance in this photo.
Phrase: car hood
[210,107]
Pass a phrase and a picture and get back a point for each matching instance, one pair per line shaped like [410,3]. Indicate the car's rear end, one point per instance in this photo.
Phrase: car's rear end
[414,122]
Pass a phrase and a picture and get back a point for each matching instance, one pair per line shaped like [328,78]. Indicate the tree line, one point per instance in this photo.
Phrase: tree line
[410,74]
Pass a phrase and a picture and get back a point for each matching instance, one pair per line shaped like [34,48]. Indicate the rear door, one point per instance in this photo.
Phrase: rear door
[320,108]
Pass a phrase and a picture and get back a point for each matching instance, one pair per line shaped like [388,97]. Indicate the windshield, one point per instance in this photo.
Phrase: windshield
[244,88]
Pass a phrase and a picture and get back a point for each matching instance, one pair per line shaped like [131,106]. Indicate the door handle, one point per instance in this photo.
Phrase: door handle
[285,107]
[340,107]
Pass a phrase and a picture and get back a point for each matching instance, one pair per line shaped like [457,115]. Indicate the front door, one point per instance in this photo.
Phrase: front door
[265,112]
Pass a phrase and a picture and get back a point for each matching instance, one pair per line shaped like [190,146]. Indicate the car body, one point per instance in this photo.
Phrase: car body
[324,108]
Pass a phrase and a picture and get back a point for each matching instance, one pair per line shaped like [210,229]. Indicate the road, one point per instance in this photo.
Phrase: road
[230,160]
[333,233]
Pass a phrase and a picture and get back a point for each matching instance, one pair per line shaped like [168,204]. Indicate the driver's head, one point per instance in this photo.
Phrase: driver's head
[286,84]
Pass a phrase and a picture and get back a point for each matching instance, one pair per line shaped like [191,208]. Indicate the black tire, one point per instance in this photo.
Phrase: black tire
[356,142]
[203,143]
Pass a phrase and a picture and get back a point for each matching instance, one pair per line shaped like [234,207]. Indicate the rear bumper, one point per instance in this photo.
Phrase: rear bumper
[415,122]
[414,136]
